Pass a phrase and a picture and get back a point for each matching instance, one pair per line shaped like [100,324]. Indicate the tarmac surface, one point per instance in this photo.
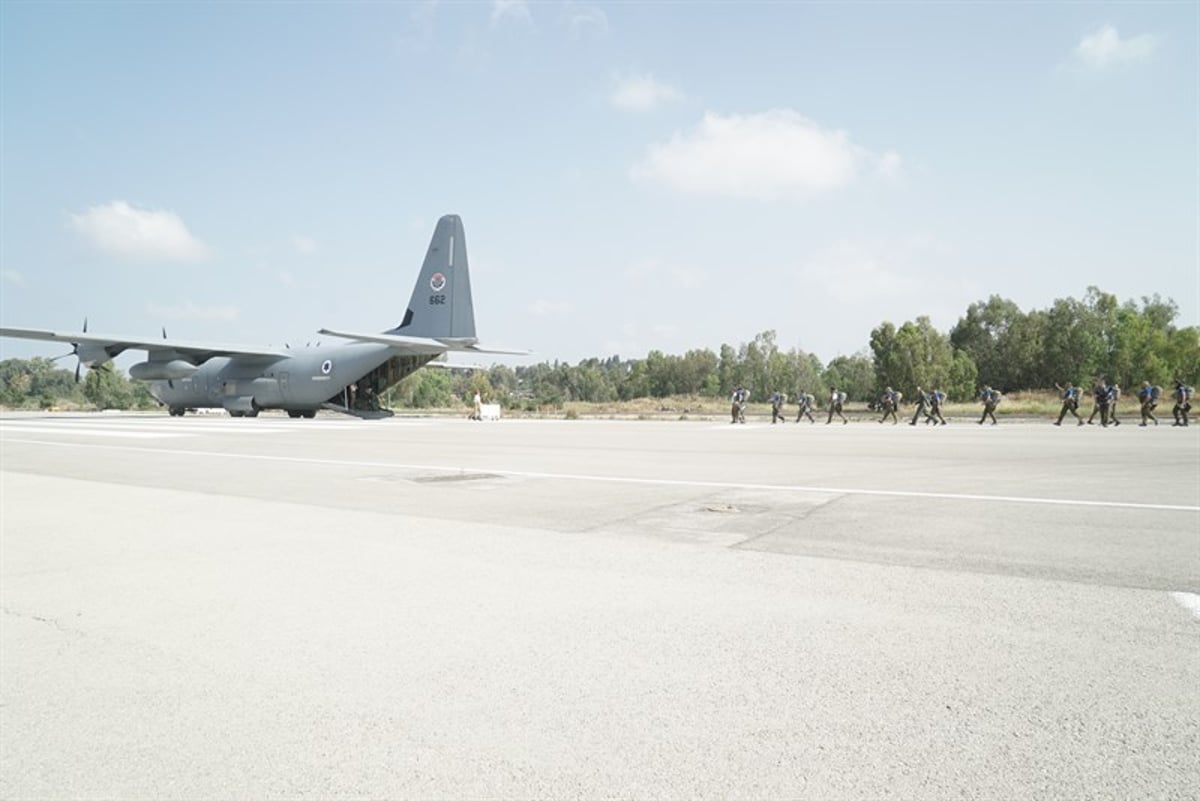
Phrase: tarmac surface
[210,607]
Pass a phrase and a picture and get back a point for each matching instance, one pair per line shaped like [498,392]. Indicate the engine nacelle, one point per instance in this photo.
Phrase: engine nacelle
[241,404]
[158,371]
[92,355]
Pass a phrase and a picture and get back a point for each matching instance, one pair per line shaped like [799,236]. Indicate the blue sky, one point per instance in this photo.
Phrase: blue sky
[631,176]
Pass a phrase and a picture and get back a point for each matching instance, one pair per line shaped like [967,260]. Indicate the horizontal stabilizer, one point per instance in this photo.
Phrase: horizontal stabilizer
[420,345]
[415,345]
[448,366]
[497,351]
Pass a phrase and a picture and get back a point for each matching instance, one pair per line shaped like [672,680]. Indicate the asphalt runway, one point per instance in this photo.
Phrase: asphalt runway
[430,608]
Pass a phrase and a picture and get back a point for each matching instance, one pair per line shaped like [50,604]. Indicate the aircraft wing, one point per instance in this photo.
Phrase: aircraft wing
[420,345]
[113,345]
[443,365]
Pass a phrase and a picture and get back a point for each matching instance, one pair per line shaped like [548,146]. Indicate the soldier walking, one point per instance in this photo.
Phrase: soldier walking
[922,405]
[990,399]
[805,401]
[1183,402]
[1070,399]
[777,401]
[887,402]
[936,399]
[1099,402]
[1114,396]
[1148,396]
[736,402]
[835,405]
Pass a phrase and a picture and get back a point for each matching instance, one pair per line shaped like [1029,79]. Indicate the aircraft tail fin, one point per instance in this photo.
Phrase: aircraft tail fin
[441,306]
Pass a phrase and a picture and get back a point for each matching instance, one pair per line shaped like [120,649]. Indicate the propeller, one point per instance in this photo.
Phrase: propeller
[170,382]
[74,352]
[93,353]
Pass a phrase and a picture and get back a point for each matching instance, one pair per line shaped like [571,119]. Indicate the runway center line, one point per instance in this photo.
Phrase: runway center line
[663,482]
[1189,601]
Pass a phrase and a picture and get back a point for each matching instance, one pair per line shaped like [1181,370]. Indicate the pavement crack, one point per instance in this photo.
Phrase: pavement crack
[49,621]
[639,514]
[791,518]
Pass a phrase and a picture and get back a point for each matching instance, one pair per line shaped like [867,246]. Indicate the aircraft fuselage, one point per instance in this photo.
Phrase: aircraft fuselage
[344,375]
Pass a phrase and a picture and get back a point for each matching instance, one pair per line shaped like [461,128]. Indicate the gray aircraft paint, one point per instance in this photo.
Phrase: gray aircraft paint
[440,306]
[187,375]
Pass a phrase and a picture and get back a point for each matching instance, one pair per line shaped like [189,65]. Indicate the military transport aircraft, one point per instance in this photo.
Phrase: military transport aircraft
[347,377]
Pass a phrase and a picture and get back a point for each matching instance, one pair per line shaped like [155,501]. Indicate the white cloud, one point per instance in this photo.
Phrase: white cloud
[628,343]
[190,311]
[418,39]
[890,164]
[516,10]
[13,277]
[582,19]
[1105,48]
[124,230]
[642,93]
[304,245]
[850,272]
[550,308]
[653,273]
[665,330]
[770,155]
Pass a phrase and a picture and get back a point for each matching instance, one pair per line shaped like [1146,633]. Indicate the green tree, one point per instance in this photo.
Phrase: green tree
[426,388]
[36,382]
[1183,355]
[727,369]
[854,375]
[106,388]
[914,355]
[756,358]
[963,379]
[1001,340]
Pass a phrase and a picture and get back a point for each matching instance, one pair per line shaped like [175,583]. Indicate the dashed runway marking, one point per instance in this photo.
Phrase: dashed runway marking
[665,482]
[1189,601]
[156,428]
[93,432]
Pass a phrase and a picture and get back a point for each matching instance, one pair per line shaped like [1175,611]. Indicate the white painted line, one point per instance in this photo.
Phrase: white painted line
[1189,601]
[170,427]
[201,422]
[665,482]
[91,432]
[165,430]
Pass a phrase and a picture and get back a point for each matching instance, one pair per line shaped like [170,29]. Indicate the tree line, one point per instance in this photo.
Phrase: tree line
[994,343]
[39,383]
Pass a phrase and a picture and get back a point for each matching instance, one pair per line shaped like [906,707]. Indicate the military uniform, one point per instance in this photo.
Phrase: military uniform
[922,405]
[1099,403]
[990,399]
[887,402]
[805,403]
[1183,403]
[1070,399]
[1148,396]
[777,408]
[835,405]
[1114,397]
[936,399]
